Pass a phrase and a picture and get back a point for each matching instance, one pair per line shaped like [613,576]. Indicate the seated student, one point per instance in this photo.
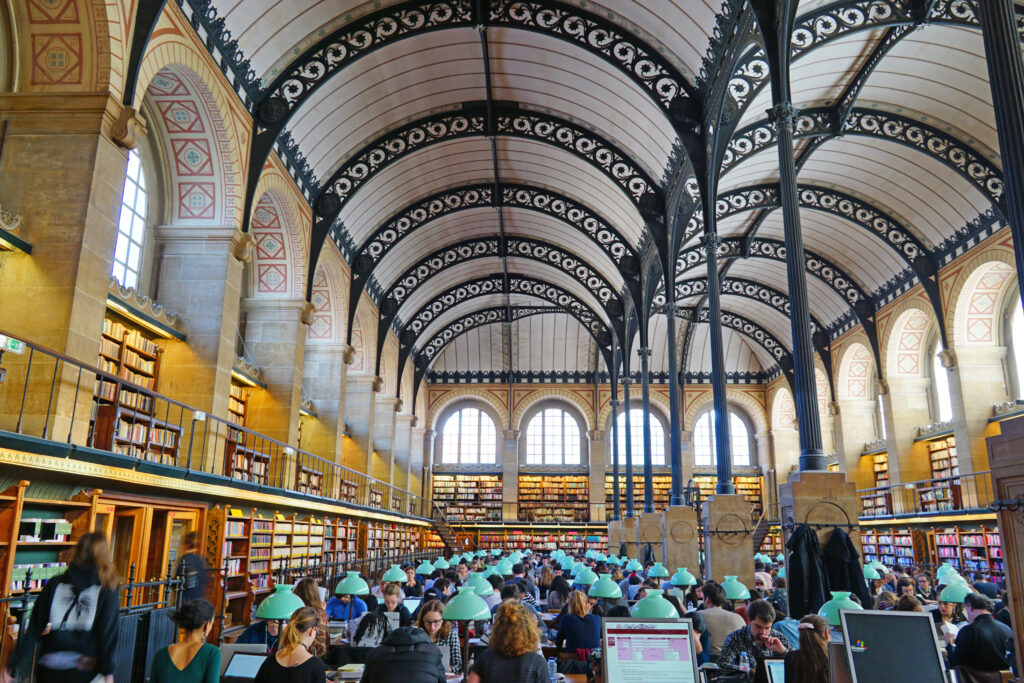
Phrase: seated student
[292,663]
[579,629]
[757,639]
[441,590]
[262,632]
[411,587]
[373,628]
[308,590]
[1003,609]
[494,599]
[393,604]
[808,661]
[618,611]
[191,660]
[908,603]
[885,600]
[512,650]
[948,617]
[443,634]
[345,607]
[925,590]
[511,592]
[982,643]
[378,590]
[786,625]
[558,593]
[407,655]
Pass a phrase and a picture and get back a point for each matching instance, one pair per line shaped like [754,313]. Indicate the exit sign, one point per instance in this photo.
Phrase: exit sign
[12,345]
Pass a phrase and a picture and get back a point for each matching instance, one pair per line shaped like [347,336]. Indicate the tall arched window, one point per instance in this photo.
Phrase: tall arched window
[553,438]
[880,417]
[469,437]
[704,440]
[1017,345]
[131,228]
[636,431]
[940,387]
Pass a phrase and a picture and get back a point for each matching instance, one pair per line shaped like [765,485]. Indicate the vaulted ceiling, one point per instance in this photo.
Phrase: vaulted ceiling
[413,119]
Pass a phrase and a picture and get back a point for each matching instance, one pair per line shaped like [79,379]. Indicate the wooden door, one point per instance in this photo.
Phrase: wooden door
[129,539]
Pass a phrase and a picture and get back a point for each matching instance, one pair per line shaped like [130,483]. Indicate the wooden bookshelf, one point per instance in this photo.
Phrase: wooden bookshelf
[554,498]
[431,540]
[123,419]
[341,540]
[893,546]
[238,403]
[244,463]
[878,503]
[573,541]
[968,549]
[348,492]
[747,486]
[39,535]
[662,490]
[382,539]
[309,481]
[469,497]
[942,495]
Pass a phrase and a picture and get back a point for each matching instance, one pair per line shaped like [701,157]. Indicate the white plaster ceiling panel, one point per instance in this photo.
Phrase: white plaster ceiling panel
[551,74]
[479,349]
[776,323]
[939,71]
[471,305]
[552,342]
[741,354]
[844,244]
[657,334]
[683,27]
[482,223]
[914,188]
[536,269]
[819,77]
[735,225]
[826,304]
[401,82]
[762,167]
[429,170]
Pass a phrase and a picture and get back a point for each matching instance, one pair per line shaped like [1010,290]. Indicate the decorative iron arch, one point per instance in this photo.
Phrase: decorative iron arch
[544,252]
[471,120]
[409,219]
[762,337]
[747,289]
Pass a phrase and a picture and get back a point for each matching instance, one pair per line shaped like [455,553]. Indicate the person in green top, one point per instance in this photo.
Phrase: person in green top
[192,659]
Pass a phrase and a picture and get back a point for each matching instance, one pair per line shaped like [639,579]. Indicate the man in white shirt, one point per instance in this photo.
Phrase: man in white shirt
[720,621]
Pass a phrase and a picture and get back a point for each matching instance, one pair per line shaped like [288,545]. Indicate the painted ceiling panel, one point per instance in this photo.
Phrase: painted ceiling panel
[740,353]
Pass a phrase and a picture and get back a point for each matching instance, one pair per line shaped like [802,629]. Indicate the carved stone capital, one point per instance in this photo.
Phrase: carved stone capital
[596,434]
[378,384]
[306,313]
[833,408]
[948,358]
[242,246]
[348,355]
[882,387]
[9,221]
[128,128]
[510,434]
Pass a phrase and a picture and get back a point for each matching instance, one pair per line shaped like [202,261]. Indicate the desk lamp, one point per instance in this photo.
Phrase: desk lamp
[683,577]
[441,563]
[654,606]
[466,605]
[840,601]
[394,575]
[658,571]
[734,590]
[605,588]
[585,577]
[425,568]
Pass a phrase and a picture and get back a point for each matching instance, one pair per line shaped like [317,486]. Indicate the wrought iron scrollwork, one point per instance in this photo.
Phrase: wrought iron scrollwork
[420,320]
[763,337]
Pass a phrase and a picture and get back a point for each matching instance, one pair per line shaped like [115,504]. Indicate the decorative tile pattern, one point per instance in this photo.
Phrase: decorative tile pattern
[855,371]
[196,200]
[56,59]
[52,11]
[909,339]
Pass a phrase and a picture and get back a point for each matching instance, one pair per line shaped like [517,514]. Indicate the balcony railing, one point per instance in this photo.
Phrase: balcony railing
[964,493]
[64,407]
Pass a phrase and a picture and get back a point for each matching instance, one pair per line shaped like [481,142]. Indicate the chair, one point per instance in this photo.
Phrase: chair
[965,674]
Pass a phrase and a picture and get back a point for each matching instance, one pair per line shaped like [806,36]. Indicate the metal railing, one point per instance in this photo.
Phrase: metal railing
[963,493]
[50,396]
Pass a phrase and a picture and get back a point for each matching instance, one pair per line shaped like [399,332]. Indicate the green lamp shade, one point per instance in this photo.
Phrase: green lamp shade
[734,590]
[586,577]
[481,553]
[658,571]
[781,573]
[567,564]
[758,557]
[612,559]
[481,585]
[441,563]
[280,604]
[633,566]
[654,606]
[604,587]
[590,554]
[954,579]
[505,567]
[682,577]
[601,557]
[955,592]
[871,574]
[840,601]
[466,605]
[495,552]
[425,568]
[393,575]
[515,557]
[780,558]
[352,585]
[487,573]
[881,568]
[557,555]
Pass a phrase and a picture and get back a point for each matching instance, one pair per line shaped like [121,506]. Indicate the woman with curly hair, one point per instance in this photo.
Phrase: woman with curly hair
[443,633]
[308,590]
[511,655]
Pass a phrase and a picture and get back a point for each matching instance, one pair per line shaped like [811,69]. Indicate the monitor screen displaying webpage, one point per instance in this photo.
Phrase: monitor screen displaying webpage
[648,651]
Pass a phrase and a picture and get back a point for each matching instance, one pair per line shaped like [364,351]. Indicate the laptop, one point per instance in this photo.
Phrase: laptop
[412,604]
[776,669]
[228,650]
[243,666]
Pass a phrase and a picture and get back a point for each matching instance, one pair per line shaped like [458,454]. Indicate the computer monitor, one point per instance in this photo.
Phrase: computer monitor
[648,650]
[412,604]
[228,650]
[244,666]
[776,669]
[892,646]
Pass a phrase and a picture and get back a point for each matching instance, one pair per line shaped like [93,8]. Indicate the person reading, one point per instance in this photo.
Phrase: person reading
[579,630]
[809,663]
[345,607]
[293,663]
[511,653]
[720,621]
[757,639]
[443,634]
[982,643]
[392,604]
[407,655]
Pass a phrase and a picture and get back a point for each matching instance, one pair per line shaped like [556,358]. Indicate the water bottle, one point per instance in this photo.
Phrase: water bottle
[744,663]
[552,669]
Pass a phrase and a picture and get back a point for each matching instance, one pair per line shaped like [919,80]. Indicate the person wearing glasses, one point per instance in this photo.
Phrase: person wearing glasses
[442,633]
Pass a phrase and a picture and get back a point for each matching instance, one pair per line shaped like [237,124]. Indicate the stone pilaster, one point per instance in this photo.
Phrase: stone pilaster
[907,408]
[423,458]
[681,539]
[596,473]
[509,459]
[401,448]
[729,544]
[359,414]
[978,372]
[652,533]
[382,462]
[324,373]
[855,426]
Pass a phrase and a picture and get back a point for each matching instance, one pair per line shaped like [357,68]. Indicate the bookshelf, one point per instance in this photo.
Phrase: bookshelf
[554,498]
[238,403]
[573,541]
[942,495]
[123,419]
[662,490]
[383,539]
[348,491]
[893,546]
[878,503]
[241,460]
[430,540]
[39,534]
[747,486]
[309,481]
[469,497]
[969,550]
[341,541]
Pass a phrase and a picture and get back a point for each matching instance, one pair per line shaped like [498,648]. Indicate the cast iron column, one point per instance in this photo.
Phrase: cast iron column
[720,413]
[811,456]
[1006,79]
[626,380]
[675,426]
[616,511]
[645,396]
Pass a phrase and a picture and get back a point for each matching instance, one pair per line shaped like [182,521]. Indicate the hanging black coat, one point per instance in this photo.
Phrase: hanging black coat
[806,574]
[843,569]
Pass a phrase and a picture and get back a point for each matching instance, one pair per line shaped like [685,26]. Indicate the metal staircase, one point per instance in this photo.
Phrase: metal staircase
[444,528]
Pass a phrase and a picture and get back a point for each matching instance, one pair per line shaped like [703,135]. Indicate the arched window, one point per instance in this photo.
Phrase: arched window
[131,229]
[940,387]
[553,438]
[880,417]
[636,432]
[469,436]
[704,440]
[1017,345]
